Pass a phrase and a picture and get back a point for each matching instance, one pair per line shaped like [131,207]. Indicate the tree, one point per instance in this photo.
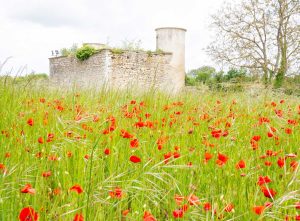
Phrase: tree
[202,74]
[260,35]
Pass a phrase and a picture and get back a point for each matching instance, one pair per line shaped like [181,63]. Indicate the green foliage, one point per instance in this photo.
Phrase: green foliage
[202,74]
[69,51]
[190,81]
[85,52]
[117,50]
[237,74]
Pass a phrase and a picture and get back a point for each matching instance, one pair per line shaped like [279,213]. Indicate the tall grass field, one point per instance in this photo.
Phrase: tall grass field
[87,155]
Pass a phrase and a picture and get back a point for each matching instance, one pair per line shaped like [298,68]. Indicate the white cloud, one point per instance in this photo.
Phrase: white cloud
[30,31]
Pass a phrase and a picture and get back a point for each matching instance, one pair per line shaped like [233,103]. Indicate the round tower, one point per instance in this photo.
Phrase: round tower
[171,39]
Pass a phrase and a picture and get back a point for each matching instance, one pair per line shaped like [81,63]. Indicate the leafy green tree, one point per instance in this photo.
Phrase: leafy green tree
[203,74]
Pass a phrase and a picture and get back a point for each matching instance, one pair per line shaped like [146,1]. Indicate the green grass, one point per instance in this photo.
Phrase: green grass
[152,184]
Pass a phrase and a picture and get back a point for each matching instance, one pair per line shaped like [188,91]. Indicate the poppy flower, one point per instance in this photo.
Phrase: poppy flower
[178,199]
[78,217]
[41,140]
[216,133]
[229,208]
[268,204]
[148,216]
[2,168]
[106,151]
[176,155]
[280,162]
[125,212]
[288,131]
[268,192]
[240,165]
[30,122]
[263,180]
[178,213]
[222,159]
[297,205]
[207,206]
[207,156]
[294,165]
[135,159]
[193,200]
[258,209]
[134,143]
[167,156]
[268,163]
[126,134]
[28,214]
[256,138]
[28,189]
[116,193]
[46,174]
[76,188]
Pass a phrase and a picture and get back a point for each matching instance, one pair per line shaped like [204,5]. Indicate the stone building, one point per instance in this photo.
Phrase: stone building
[163,69]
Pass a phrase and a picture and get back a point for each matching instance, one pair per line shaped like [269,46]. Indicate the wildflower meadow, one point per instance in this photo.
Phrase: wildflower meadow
[115,155]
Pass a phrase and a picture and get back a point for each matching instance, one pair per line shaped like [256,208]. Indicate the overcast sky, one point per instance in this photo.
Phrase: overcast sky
[30,29]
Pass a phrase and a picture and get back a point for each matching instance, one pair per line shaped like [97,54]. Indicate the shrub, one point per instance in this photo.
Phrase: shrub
[69,51]
[85,52]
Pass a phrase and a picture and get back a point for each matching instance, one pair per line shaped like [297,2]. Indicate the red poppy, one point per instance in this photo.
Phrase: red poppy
[229,208]
[176,154]
[28,189]
[77,188]
[126,134]
[178,213]
[78,217]
[268,192]
[193,200]
[222,159]
[30,122]
[268,204]
[178,199]
[107,151]
[41,140]
[125,212]
[280,162]
[258,209]
[256,138]
[148,216]
[207,206]
[135,159]
[207,156]
[216,133]
[28,214]
[46,174]
[297,205]
[288,130]
[268,163]
[117,193]
[294,165]
[240,165]
[263,180]
[134,143]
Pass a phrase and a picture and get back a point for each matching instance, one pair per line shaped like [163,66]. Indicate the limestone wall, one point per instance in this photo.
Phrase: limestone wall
[129,69]
[69,71]
[139,70]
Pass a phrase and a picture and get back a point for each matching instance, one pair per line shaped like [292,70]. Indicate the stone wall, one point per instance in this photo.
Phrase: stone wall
[69,71]
[128,69]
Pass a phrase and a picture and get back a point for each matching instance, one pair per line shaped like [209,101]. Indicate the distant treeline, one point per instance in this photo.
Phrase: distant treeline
[234,79]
